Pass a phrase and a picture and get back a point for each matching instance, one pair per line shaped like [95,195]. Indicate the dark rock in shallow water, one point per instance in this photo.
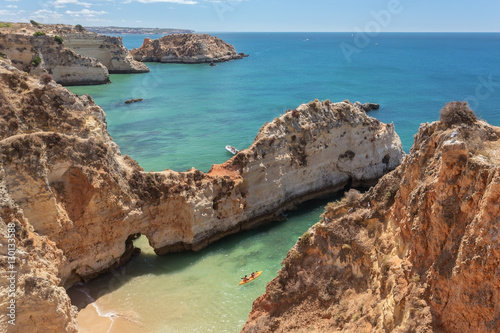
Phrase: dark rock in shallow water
[129,101]
[367,106]
[371,106]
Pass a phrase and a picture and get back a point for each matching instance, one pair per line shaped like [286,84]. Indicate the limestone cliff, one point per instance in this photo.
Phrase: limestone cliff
[41,303]
[186,48]
[419,252]
[75,201]
[78,57]
[109,50]
[42,54]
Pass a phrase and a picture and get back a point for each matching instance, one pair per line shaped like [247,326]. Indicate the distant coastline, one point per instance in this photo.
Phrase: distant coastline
[137,31]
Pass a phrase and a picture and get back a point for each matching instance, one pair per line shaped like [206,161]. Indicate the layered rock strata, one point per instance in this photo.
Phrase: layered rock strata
[75,202]
[39,55]
[77,57]
[186,48]
[419,252]
[108,50]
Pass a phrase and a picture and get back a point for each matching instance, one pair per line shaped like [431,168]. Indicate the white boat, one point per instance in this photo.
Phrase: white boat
[232,150]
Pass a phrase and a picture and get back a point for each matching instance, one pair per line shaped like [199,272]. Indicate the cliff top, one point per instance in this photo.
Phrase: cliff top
[187,44]
[186,48]
[30,28]
[28,106]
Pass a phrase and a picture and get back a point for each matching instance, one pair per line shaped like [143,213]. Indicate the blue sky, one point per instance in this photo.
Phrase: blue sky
[262,15]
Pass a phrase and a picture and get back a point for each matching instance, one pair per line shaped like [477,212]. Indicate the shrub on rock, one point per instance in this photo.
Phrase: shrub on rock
[455,113]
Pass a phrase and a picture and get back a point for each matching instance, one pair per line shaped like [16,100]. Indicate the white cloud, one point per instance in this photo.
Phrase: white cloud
[85,12]
[64,3]
[6,12]
[97,19]
[11,6]
[47,15]
[182,2]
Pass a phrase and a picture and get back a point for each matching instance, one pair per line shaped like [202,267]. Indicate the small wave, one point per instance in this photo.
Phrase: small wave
[92,300]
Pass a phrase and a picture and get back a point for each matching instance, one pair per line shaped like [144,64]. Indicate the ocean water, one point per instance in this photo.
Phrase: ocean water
[190,112]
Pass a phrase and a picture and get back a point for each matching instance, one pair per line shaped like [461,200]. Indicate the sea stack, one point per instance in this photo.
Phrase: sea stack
[418,252]
[186,49]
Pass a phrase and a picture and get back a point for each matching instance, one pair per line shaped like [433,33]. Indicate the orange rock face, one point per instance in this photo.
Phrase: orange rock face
[420,252]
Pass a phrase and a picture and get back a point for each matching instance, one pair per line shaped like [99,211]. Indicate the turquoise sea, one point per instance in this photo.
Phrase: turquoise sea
[190,112]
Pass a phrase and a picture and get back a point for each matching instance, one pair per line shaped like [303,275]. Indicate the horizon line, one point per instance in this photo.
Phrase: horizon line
[247,31]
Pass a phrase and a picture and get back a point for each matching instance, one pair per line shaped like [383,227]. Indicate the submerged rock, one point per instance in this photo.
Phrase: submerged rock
[133,100]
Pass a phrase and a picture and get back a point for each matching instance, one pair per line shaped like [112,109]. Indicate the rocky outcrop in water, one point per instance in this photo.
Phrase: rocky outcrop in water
[186,48]
[133,100]
[76,203]
[367,106]
[419,252]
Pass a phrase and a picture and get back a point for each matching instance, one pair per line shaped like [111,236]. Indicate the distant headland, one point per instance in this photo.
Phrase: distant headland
[137,31]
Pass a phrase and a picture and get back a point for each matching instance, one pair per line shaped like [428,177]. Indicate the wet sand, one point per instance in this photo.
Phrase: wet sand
[89,321]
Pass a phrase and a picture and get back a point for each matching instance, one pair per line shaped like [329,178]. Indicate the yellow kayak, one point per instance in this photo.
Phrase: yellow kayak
[248,279]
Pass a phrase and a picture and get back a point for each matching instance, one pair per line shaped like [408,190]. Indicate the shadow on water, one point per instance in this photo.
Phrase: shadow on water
[242,253]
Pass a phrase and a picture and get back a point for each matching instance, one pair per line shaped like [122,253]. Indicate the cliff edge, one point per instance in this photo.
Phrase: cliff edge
[186,48]
[419,252]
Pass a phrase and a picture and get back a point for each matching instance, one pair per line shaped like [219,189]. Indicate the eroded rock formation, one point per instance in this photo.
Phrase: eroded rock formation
[419,252]
[39,55]
[75,201]
[186,48]
[109,50]
[70,54]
